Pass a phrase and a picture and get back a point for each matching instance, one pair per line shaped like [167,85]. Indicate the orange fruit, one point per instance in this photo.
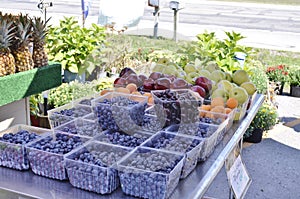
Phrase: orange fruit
[228,110]
[122,90]
[205,107]
[217,101]
[209,115]
[131,87]
[232,103]
[147,94]
[136,93]
[151,100]
[103,92]
[218,109]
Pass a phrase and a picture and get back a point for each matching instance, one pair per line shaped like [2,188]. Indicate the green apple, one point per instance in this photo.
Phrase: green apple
[190,68]
[204,73]
[217,76]
[228,76]
[163,61]
[240,94]
[190,77]
[249,87]
[212,66]
[240,76]
[225,84]
[158,68]
[219,92]
[170,70]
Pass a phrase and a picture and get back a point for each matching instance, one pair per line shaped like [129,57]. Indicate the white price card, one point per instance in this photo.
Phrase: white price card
[239,178]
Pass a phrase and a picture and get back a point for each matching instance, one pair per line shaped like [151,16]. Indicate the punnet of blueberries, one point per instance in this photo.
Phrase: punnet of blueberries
[46,154]
[209,132]
[180,106]
[12,148]
[150,173]
[189,146]
[81,127]
[67,113]
[132,140]
[92,167]
[152,123]
[119,112]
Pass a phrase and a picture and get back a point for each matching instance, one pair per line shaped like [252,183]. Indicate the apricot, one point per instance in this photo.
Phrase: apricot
[131,87]
[232,103]
[217,101]
[103,92]
[122,90]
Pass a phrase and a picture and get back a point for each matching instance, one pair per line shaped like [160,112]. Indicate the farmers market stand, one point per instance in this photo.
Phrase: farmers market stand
[25,184]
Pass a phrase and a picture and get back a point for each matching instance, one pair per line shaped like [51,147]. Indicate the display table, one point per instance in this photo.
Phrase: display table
[26,183]
[15,89]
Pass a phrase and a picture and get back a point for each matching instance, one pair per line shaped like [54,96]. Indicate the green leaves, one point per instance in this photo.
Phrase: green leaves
[209,47]
[71,44]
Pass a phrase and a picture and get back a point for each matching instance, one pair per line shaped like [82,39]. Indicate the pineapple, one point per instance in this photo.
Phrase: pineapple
[23,57]
[7,61]
[39,55]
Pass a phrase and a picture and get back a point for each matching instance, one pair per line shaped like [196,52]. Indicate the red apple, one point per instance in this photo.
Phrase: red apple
[133,78]
[171,77]
[120,82]
[148,84]
[125,72]
[156,75]
[180,84]
[162,83]
[199,90]
[204,82]
[143,77]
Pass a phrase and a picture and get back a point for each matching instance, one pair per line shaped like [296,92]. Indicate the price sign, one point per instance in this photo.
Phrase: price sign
[238,178]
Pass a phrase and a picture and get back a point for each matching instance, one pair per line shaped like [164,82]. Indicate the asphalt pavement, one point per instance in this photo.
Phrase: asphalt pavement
[274,163]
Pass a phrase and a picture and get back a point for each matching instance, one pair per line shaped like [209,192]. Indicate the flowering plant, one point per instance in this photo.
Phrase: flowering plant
[265,118]
[278,73]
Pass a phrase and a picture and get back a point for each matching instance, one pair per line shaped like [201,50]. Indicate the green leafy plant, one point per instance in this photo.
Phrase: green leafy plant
[265,119]
[294,76]
[222,51]
[70,44]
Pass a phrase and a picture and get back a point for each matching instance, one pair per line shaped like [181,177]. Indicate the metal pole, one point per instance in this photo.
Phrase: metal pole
[175,25]
[156,14]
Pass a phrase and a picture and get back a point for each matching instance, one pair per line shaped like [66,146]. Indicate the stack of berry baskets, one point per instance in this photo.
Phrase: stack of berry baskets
[12,145]
[46,155]
[179,106]
[208,132]
[119,111]
[92,166]
[67,112]
[80,126]
[150,173]
[189,146]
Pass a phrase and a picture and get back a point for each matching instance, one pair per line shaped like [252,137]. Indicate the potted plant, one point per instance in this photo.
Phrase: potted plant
[70,44]
[294,81]
[278,75]
[264,120]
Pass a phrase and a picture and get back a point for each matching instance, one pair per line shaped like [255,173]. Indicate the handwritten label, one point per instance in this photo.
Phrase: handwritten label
[239,178]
